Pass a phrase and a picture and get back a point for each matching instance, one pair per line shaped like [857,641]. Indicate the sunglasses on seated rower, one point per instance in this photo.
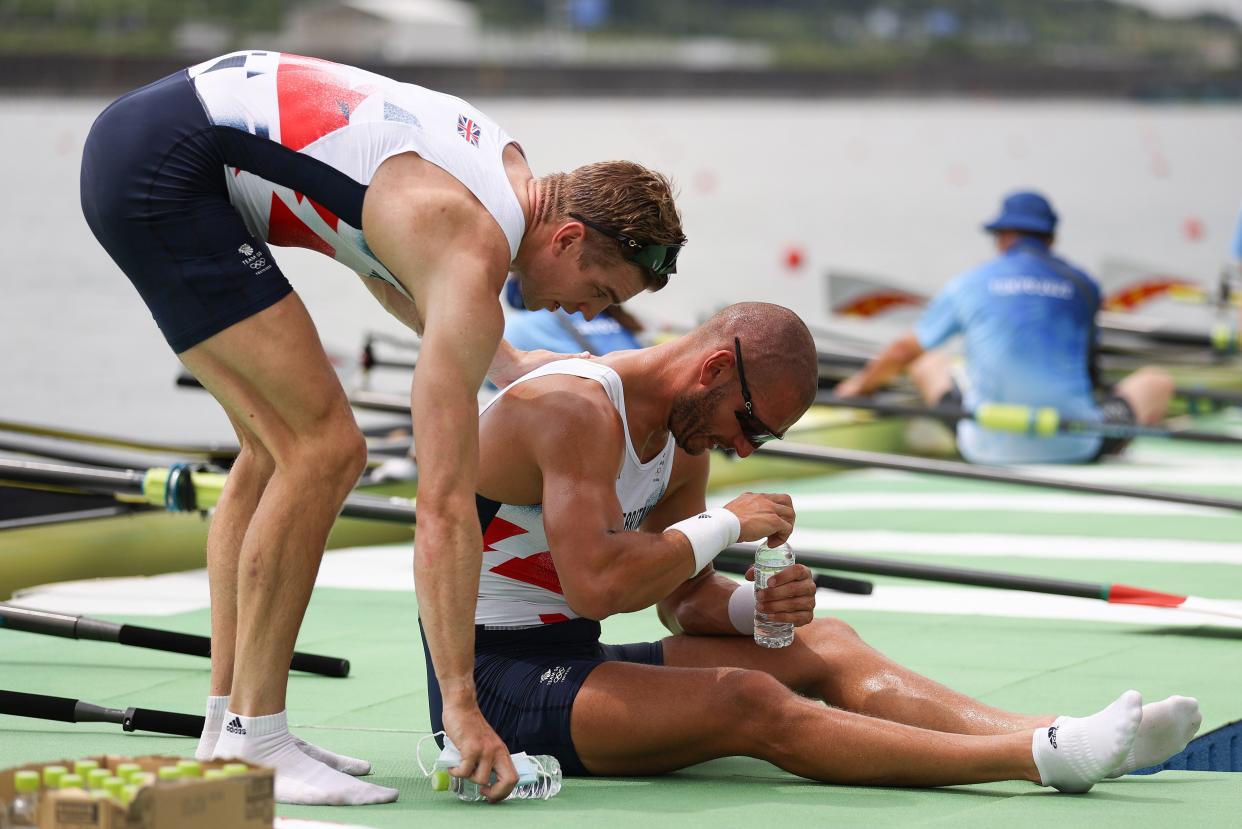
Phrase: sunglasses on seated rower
[753,429]
[661,259]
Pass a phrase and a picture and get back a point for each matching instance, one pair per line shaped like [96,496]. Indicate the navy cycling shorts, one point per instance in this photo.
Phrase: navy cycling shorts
[154,194]
[527,680]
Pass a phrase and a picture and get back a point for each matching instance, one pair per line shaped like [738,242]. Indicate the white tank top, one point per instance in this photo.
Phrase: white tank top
[318,113]
[518,586]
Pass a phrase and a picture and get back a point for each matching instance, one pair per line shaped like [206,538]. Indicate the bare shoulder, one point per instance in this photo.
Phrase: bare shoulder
[563,404]
[416,214]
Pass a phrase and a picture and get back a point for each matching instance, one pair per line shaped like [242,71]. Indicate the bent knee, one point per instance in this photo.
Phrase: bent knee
[338,452]
[829,632]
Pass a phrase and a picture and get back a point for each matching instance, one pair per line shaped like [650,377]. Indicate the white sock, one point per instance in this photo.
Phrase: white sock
[1168,725]
[216,706]
[299,779]
[1075,753]
[340,762]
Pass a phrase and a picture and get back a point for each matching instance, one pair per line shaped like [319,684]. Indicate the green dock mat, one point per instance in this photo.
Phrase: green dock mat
[1055,663]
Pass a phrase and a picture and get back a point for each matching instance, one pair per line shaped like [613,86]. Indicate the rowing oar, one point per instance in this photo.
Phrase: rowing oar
[208,452]
[63,709]
[1036,421]
[83,627]
[1111,593]
[822,580]
[178,488]
[879,460]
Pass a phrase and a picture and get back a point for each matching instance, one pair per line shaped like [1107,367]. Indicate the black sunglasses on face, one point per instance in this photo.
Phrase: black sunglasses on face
[754,429]
[661,259]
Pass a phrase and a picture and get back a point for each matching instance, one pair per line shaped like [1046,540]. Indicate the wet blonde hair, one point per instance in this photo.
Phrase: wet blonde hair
[621,195]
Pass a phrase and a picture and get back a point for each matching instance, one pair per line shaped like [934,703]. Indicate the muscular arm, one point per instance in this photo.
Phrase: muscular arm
[891,362]
[699,605]
[603,568]
[452,259]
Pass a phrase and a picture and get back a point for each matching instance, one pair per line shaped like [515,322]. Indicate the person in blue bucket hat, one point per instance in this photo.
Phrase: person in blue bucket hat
[1027,317]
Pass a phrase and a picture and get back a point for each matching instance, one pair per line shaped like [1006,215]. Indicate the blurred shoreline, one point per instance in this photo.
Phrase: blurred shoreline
[95,75]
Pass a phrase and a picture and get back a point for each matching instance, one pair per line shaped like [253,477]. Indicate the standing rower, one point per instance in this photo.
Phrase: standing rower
[186,181]
[1028,319]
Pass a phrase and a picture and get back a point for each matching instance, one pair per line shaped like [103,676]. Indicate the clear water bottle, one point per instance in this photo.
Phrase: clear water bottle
[539,776]
[24,812]
[768,562]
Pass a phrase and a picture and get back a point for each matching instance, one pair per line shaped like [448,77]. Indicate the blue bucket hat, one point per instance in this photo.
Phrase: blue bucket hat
[1024,210]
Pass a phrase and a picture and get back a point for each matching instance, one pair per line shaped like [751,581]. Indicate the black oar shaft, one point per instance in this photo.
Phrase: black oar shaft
[64,709]
[932,572]
[878,460]
[82,627]
[91,479]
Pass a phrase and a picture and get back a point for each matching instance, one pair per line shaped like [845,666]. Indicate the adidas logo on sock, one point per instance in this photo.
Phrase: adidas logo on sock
[1052,735]
[235,727]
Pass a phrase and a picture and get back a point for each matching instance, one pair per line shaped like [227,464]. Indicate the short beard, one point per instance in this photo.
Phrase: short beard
[688,415]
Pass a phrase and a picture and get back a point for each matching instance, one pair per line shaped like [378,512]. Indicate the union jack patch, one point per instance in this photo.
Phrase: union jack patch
[468,129]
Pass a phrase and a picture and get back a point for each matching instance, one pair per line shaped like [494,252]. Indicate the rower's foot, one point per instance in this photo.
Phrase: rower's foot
[1168,725]
[1075,753]
[214,721]
[300,779]
[340,762]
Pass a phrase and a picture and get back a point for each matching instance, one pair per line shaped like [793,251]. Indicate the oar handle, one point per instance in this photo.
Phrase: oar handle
[163,722]
[38,706]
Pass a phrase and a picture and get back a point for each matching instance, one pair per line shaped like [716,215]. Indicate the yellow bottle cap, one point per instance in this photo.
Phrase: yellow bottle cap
[214,774]
[52,775]
[83,767]
[440,780]
[235,768]
[142,778]
[127,770]
[95,778]
[114,785]
[190,768]
[26,781]
[169,774]
[71,781]
[128,793]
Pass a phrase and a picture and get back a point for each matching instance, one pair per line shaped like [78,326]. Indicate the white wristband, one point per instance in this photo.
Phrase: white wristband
[709,533]
[742,608]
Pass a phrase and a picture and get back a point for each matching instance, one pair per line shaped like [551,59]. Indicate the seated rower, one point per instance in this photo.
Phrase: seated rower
[592,502]
[1028,319]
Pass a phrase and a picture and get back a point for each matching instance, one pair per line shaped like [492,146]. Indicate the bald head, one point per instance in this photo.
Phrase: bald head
[777,348]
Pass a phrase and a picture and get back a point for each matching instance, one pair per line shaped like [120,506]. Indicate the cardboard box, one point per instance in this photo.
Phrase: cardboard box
[241,802]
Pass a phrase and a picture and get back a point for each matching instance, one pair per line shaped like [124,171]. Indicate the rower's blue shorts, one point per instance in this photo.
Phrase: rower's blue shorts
[153,192]
[526,681]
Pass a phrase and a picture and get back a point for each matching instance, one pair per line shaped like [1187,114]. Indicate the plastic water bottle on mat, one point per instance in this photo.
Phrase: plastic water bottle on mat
[24,811]
[539,776]
[768,562]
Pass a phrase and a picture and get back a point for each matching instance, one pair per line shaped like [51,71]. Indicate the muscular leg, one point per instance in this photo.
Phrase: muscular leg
[645,719]
[829,661]
[271,375]
[1148,391]
[239,500]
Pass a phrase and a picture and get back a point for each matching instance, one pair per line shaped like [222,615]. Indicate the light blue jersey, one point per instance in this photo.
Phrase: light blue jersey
[567,333]
[1028,318]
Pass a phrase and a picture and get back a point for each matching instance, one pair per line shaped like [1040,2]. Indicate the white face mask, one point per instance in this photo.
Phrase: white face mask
[528,768]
